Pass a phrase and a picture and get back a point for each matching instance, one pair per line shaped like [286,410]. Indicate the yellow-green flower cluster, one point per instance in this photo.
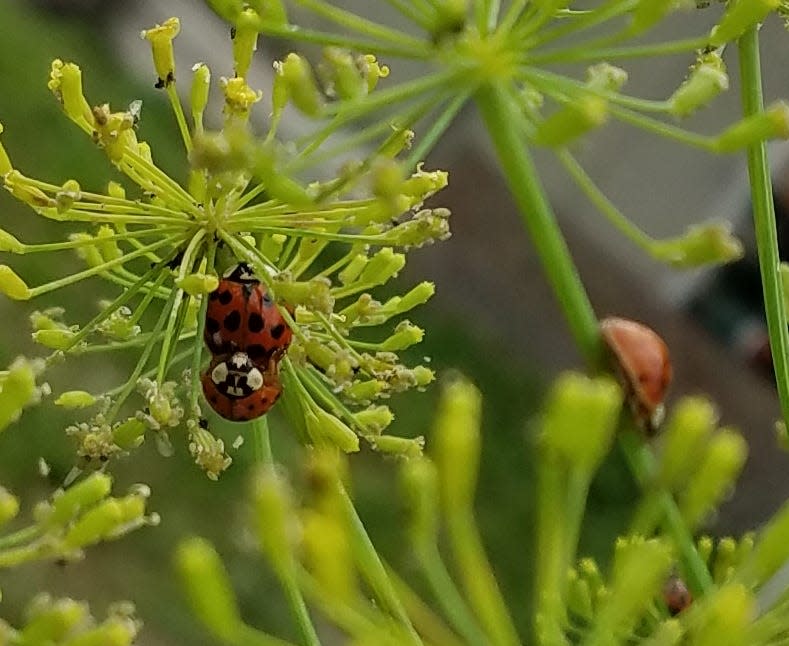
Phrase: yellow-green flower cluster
[322,249]
[74,518]
[66,622]
[514,57]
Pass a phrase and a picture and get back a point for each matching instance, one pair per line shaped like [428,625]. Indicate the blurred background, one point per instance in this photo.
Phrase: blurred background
[493,316]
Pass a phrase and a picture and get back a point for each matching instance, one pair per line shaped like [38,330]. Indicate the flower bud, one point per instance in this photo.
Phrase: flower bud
[245,40]
[108,249]
[239,97]
[425,227]
[740,15]
[604,76]
[129,434]
[51,622]
[703,245]
[456,443]
[323,427]
[57,339]
[416,296]
[684,439]
[422,376]
[419,485]
[198,96]
[9,242]
[400,140]
[295,73]
[18,389]
[197,284]
[343,78]
[353,269]
[640,568]
[314,294]
[207,451]
[773,123]
[116,191]
[724,559]
[94,525]
[75,399]
[580,419]
[5,161]
[65,81]
[572,121]
[161,39]
[374,419]
[207,587]
[579,596]
[327,551]
[12,285]
[9,506]
[365,391]
[116,631]
[714,476]
[723,617]
[706,81]
[77,497]
[385,264]
[405,447]
[406,334]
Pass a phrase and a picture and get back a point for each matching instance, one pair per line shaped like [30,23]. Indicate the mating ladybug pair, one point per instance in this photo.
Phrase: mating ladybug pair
[247,337]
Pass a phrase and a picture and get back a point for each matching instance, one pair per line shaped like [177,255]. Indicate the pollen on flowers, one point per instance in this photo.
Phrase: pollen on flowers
[317,250]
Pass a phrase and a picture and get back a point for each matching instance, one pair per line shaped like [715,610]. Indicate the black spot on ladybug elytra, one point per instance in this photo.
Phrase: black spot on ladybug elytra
[256,351]
[225,296]
[267,301]
[213,399]
[212,325]
[255,322]
[250,407]
[232,321]
[278,330]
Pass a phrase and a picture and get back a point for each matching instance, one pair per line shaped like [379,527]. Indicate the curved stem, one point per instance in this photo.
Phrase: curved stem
[537,215]
[764,218]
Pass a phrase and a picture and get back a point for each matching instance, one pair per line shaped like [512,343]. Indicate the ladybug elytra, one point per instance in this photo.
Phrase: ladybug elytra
[644,367]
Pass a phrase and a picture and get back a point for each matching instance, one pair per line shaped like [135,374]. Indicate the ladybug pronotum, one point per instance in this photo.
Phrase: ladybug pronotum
[644,367]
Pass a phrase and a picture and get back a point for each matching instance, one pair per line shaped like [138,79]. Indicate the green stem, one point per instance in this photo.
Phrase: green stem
[537,215]
[446,593]
[550,551]
[642,464]
[261,444]
[21,536]
[478,578]
[764,218]
[581,54]
[372,568]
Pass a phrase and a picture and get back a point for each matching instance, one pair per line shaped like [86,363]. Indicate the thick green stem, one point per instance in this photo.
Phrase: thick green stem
[538,217]
[764,218]
[373,569]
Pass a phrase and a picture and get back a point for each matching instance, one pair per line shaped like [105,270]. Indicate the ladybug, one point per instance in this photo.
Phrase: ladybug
[644,367]
[237,389]
[242,317]
[676,595]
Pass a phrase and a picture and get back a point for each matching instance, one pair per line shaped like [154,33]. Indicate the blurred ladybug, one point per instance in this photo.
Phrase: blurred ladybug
[242,317]
[676,595]
[644,367]
[237,389]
